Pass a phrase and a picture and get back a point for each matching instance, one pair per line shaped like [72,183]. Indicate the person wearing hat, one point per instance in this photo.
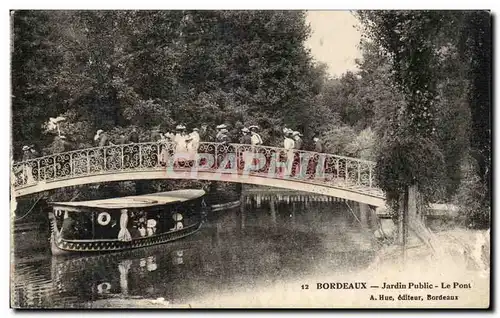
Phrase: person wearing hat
[164,154]
[134,136]
[313,164]
[122,140]
[286,131]
[180,138]
[245,139]
[60,144]
[318,144]
[101,138]
[194,142]
[168,136]
[223,136]
[219,129]
[180,141]
[98,135]
[27,168]
[289,145]
[33,151]
[27,155]
[298,146]
[155,134]
[256,140]
[205,132]
[236,131]
[298,141]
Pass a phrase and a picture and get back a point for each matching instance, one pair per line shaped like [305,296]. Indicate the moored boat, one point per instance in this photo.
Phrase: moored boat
[125,223]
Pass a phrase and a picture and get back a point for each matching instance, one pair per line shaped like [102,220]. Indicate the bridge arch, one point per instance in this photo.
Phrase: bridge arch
[326,174]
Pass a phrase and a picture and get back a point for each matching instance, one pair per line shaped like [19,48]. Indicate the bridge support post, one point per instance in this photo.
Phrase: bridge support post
[272,204]
[242,216]
[363,214]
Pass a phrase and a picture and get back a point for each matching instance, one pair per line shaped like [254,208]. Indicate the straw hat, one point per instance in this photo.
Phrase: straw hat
[195,129]
[221,126]
[25,148]
[253,127]
[180,127]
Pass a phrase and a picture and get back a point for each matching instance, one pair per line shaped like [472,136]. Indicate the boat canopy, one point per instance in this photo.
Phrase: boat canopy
[137,201]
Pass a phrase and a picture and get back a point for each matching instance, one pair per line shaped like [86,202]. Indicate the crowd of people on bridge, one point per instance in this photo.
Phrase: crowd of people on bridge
[189,141]
[183,141]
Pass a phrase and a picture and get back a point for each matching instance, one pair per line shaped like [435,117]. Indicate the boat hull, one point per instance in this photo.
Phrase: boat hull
[60,246]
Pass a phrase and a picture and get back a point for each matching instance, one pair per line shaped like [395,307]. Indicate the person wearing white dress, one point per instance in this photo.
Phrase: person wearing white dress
[180,139]
[27,168]
[180,142]
[193,144]
[164,154]
[289,146]
[256,139]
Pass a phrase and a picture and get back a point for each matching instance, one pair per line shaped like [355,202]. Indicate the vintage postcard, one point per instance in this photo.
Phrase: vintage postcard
[250,159]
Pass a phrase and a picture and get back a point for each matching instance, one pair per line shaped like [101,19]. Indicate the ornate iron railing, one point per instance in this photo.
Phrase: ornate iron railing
[271,162]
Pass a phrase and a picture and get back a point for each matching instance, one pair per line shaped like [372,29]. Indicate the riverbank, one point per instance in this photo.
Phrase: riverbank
[462,258]
[455,262]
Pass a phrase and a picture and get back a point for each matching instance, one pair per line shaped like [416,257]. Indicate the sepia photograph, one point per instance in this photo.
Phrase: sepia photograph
[191,159]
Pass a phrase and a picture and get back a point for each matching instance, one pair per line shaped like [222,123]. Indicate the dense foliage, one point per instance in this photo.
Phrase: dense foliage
[439,62]
[117,69]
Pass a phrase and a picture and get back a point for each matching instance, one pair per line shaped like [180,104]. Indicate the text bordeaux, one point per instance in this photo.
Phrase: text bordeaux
[357,285]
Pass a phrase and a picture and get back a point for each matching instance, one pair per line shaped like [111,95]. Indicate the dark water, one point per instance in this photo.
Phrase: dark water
[265,241]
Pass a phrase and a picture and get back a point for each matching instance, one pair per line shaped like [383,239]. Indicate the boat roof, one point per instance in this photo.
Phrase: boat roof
[137,201]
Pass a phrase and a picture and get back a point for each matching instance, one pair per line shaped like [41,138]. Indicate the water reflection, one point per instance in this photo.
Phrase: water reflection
[255,244]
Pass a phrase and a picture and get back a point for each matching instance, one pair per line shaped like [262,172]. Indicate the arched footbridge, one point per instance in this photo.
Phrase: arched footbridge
[327,174]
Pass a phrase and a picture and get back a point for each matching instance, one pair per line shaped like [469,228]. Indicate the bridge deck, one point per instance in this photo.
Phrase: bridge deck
[276,167]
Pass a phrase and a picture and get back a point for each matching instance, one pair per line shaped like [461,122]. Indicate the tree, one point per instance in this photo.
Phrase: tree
[33,93]
[114,69]
[438,61]
[478,39]
[407,38]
